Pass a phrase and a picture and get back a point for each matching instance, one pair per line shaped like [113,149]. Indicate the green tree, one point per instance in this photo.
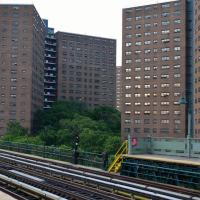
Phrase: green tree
[112,144]
[15,129]
[110,116]
[91,142]
[60,110]
[48,136]
[98,129]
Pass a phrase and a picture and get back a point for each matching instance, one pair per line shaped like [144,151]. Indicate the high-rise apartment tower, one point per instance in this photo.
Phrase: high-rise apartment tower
[86,69]
[22,34]
[157,69]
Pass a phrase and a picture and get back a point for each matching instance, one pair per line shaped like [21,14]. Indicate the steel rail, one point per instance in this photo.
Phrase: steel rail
[67,187]
[81,170]
[8,190]
[128,189]
[70,167]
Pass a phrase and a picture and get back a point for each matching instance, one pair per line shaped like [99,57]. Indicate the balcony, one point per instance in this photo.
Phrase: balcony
[49,94]
[49,43]
[47,107]
[49,88]
[49,56]
[51,63]
[50,49]
[51,37]
[50,75]
[49,81]
[50,68]
[47,100]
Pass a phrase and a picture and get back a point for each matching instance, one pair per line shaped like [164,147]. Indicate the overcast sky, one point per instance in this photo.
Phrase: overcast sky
[92,17]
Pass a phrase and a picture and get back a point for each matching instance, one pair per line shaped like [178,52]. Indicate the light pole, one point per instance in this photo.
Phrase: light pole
[182,101]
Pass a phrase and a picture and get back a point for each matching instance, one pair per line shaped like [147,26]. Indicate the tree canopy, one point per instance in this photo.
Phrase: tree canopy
[98,128]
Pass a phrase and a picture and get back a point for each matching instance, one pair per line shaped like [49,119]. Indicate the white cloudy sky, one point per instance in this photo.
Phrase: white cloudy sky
[92,17]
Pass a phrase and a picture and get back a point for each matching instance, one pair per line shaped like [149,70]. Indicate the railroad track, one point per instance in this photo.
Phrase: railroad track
[119,184]
[8,189]
[65,189]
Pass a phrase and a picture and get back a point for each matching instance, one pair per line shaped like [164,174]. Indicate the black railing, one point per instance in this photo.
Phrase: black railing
[63,154]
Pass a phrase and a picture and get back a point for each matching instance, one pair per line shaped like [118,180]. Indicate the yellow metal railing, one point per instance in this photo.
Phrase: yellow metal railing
[116,164]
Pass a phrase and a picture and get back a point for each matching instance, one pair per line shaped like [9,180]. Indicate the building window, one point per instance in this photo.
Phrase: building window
[164,112]
[138,18]
[137,112]
[147,95]
[166,40]
[137,121]
[166,49]
[147,42]
[138,60]
[165,23]
[137,77]
[138,51]
[177,75]
[165,58]
[165,32]
[147,77]
[177,30]
[164,94]
[128,61]
[177,66]
[147,68]
[137,69]
[128,70]
[177,112]
[128,53]
[177,57]
[165,85]
[138,26]
[137,86]
[147,34]
[147,51]
[138,35]
[147,86]
[137,95]
[128,44]
[138,43]
[167,5]
[164,76]
[128,95]
[128,87]
[137,103]
[164,121]
[165,67]
[129,27]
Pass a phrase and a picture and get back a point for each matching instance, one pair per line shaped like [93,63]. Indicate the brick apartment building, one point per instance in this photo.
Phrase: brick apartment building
[157,69]
[22,34]
[86,69]
[39,67]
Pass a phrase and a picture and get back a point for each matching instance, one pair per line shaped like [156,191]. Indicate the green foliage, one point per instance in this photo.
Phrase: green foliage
[112,144]
[110,116]
[60,110]
[98,129]
[15,129]
[16,133]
